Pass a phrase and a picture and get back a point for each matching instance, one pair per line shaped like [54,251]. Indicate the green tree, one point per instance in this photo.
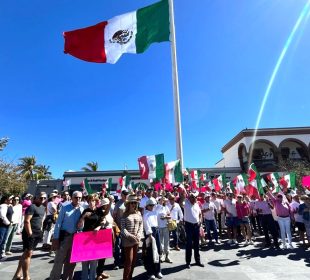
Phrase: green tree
[301,168]
[27,167]
[91,166]
[42,172]
[11,180]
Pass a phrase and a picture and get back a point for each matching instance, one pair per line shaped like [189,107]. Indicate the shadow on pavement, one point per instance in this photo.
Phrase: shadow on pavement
[221,263]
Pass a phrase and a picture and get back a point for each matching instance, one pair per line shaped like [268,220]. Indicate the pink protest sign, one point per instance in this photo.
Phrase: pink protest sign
[91,245]
[305,181]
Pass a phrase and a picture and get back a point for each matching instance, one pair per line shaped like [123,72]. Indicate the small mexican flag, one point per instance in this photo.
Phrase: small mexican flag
[274,179]
[219,182]
[133,32]
[230,186]
[289,180]
[255,187]
[194,179]
[173,172]
[125,181]
[106,186]
[240,182]
[202,176]
[86,188]
[252,172]
[152,167]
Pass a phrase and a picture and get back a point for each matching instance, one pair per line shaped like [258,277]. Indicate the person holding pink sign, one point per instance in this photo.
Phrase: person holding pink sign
[131,233]
[90,221]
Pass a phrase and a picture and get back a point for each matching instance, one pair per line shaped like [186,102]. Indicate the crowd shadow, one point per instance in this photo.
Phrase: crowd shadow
[295,254]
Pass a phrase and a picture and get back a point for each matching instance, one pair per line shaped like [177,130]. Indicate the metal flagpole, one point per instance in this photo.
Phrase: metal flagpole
[176,98]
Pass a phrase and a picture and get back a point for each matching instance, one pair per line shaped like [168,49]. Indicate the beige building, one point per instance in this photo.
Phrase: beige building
[266,149]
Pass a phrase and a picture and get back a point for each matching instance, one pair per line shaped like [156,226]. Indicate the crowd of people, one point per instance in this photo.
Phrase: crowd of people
[153,222]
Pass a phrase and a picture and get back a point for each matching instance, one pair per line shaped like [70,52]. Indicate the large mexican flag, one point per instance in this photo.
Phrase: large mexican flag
[132,32]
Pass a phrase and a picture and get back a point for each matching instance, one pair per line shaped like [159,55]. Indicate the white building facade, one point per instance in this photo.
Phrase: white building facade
[266,148]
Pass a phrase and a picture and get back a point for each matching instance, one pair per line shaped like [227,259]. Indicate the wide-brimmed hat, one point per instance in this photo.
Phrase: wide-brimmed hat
[51,195]
[131,198]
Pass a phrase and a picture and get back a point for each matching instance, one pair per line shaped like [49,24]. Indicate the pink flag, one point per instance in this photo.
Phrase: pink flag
[305,181]
[168,187]
[157,186]
[91,245]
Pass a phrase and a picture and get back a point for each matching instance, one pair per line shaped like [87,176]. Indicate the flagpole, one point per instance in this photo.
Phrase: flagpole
[176,98]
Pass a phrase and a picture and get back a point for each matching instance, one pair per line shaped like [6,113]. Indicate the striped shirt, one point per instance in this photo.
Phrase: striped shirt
[131,227]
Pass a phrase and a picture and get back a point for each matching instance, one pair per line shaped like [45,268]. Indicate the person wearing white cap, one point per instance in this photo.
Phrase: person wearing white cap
[49,222]
[107,222]
[162,218]
[150,224]
[192,219]
[209,210]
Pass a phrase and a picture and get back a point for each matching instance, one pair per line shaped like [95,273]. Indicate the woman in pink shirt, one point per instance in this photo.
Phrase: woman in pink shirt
[243,212]
[283,212]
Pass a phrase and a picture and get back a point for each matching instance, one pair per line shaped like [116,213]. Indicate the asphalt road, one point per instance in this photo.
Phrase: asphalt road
[221,262]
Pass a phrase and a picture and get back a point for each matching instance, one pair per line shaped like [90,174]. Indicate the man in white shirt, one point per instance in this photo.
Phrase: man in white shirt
[208,210]
[176,215]
[192,219]
[163,215]
[231,218]
[148,195]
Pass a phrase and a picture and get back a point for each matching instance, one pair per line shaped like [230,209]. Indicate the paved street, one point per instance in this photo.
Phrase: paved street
[222,262]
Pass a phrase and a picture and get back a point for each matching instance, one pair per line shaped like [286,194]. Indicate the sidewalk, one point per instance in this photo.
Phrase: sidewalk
[221,262]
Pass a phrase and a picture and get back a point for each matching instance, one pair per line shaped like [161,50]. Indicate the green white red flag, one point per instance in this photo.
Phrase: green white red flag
[152,167]
[288,181]
[194,179]
[274,179]
[173,172]
[240,182]
[86,188]
[106,186]
[219,182]
[132,32]
[252,172]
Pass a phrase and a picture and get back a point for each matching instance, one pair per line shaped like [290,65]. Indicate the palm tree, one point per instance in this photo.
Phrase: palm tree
[3,142]
[91,166]
[42,172]
[27,167]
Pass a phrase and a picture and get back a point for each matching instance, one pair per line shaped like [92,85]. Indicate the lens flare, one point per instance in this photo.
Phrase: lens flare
[304,15]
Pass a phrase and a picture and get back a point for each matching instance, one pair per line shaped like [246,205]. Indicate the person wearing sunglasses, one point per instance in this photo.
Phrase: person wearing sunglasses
[31,235]
[65,227]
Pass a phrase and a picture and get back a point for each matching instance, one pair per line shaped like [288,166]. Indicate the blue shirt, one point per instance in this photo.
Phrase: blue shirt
[68,219]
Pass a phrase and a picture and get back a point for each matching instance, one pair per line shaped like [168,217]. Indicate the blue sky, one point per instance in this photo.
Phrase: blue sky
[67,112]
